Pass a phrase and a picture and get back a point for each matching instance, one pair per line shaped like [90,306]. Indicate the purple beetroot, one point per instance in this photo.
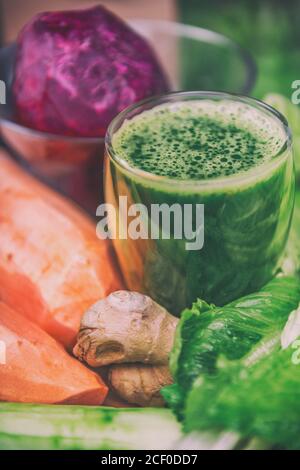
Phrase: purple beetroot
[75,70]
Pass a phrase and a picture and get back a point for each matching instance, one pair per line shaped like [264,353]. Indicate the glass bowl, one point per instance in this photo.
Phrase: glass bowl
[194,59]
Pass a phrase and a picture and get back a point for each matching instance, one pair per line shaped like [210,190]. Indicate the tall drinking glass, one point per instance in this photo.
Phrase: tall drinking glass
[246,195]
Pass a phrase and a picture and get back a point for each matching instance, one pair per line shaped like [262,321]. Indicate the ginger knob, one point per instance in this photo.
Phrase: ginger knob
[134,335]
[125,327]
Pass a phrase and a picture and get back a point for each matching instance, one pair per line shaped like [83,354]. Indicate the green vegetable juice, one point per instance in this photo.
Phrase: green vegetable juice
[232,155]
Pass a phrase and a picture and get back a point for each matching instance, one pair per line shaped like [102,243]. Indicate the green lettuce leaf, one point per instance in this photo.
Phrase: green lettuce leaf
[262,400]
[207,333]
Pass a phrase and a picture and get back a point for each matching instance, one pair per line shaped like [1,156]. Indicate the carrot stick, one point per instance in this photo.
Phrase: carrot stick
[37,369]
[52,265]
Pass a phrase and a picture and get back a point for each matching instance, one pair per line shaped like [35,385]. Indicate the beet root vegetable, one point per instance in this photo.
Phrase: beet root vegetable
[76,70]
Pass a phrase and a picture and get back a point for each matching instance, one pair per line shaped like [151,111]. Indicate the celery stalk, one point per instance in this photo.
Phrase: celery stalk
[61,427]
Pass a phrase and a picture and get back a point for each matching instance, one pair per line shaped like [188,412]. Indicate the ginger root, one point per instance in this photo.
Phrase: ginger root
[134,335]
[125,327]
[140,384]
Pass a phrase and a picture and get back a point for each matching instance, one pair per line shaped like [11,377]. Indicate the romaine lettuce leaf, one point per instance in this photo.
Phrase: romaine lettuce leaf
[262,400]
[207,333]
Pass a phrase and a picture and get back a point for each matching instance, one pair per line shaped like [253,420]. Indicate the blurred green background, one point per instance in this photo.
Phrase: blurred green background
[269,29]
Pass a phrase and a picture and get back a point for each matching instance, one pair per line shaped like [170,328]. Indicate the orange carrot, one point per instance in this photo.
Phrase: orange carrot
[52,265]
[37,369]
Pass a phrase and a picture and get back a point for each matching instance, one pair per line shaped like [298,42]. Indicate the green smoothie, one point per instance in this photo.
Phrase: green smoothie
[230,154]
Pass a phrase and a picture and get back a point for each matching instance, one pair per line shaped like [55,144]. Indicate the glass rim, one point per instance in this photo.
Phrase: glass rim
[153,101]
[207,36]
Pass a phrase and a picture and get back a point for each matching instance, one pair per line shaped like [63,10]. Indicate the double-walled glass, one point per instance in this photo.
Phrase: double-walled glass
[246,220]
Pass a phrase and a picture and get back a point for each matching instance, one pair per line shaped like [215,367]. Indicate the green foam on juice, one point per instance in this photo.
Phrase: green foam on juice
[199,139]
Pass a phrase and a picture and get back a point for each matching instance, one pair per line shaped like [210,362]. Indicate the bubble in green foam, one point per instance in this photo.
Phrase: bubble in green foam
[199,140]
